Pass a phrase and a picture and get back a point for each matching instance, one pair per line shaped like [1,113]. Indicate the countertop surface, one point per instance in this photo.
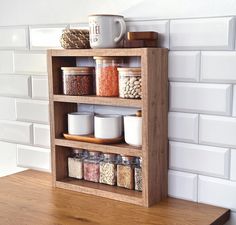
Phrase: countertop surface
[27,198]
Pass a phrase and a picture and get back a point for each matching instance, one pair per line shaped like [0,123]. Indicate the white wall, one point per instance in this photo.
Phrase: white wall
[13,12]
[202,74]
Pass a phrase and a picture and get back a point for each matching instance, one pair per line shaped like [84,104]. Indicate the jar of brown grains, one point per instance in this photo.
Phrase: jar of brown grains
[78,80]
[125,172]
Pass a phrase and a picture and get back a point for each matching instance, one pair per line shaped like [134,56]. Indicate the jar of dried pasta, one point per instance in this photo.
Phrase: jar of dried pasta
[108,169]
[75,164]
[107,80]
[125,172]
[138,174]
[91,167]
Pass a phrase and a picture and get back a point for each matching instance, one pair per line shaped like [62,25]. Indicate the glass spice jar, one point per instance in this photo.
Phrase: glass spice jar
[78,80]
[130,82]
[125,172]
[108,169]
[107,80]
[91,167]
[75,164]
[138,175]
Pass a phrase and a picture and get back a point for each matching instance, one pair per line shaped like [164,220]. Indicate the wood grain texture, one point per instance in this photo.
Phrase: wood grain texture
[154,105]
[27,198]
[155,110]
[96,100]
[122,148]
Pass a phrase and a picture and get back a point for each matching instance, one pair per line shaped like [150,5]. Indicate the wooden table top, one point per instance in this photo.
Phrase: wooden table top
[27,198]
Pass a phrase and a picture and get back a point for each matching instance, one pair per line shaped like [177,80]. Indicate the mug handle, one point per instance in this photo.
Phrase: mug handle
[122,30]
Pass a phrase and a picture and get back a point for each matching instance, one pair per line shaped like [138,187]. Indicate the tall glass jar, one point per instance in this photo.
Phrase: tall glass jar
[108,169]
[138,175]
[130,82]
[91,167]
[75,164]
[107,80]
[125,172]
[78,80]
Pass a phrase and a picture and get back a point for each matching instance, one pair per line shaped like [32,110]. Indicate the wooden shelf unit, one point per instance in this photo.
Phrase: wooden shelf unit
[154,105]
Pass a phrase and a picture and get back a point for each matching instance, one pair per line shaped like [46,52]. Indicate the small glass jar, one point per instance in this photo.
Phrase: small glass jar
[78,80]
[91,167]
[130,82]
[75,164]
[108,169]
[107,80]
[125,173]
[138,175]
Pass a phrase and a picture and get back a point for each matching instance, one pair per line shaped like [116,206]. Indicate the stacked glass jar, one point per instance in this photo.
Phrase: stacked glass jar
[110,169]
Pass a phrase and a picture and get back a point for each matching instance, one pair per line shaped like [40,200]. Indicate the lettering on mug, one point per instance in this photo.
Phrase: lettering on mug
[94,30]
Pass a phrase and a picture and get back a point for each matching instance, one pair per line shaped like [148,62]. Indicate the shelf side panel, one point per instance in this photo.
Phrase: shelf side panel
[155,119]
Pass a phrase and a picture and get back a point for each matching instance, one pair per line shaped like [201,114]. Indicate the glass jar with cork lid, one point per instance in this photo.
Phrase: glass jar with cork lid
[125,172]
[108,169]
[78,80]
[75,164]
[91,167]
[107,80]
[130,82]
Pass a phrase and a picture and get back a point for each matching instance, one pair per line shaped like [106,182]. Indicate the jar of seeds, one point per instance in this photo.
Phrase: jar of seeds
[138,175]
[75,164]
[108,169]
[125,172]
[130,82]
[91,167]
[78,80]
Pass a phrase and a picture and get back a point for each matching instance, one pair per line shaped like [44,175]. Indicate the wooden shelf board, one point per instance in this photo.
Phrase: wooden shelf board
[122,148]
[99,52]
[112,192]
[96,100]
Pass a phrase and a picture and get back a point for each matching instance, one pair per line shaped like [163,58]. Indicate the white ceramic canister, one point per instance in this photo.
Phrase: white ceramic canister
[80,123]
[133,130]
[106,31]
[108,126]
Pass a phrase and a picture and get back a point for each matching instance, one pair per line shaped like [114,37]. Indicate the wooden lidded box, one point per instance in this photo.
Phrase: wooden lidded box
[154,105]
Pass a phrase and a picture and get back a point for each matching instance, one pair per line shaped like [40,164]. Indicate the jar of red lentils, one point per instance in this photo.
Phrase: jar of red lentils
[107,80]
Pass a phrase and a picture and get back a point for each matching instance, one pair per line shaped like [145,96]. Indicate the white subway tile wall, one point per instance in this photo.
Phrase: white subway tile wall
[33,157]
[183,127]
[45,37]
[184,66]
[182,185]
[15,86]
[202,123]
[14,37]
[40,87]
[200,159]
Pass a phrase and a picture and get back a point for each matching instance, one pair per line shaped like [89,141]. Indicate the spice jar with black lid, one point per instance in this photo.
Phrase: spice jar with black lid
[108,169]
[138,174]
[125,172]
[75,164]
[91,167]
[78,80]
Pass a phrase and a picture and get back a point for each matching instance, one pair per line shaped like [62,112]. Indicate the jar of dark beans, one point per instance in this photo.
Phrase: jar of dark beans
[78,80]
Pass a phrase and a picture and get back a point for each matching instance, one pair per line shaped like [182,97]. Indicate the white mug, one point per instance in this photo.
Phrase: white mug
[106,31]
[108,126]
[80,123]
